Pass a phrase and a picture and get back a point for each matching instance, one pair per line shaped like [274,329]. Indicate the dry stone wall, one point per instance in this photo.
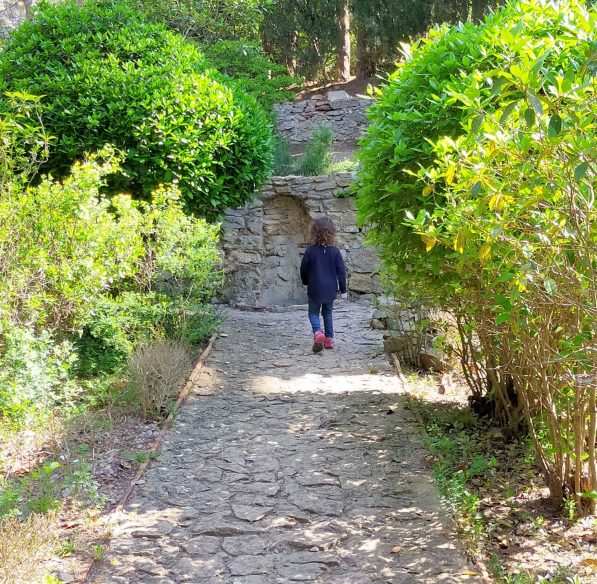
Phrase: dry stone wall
[345,115]
[263,243]
[13,12]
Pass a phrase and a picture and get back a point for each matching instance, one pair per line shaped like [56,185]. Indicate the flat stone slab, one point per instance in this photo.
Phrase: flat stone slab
[337,95]
[285,467]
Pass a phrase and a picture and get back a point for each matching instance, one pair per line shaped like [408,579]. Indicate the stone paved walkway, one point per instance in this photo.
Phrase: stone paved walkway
[286,466]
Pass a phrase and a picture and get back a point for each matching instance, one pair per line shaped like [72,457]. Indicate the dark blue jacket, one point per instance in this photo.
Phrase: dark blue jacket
[323,272]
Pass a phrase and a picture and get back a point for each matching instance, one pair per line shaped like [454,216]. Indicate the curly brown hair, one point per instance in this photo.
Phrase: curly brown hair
[323,232]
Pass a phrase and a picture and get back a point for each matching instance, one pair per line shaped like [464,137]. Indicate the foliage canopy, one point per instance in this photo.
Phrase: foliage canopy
[108,76]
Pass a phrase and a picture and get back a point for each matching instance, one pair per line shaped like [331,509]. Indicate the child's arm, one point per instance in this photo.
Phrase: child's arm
[341,272]
[305,268]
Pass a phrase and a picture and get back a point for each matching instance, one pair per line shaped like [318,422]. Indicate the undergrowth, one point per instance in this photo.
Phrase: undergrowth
[458,458]
[483,481]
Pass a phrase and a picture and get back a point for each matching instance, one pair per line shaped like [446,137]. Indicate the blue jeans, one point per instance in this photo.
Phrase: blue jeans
[326,309]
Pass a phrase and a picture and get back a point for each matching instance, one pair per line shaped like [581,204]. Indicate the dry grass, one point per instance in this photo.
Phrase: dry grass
[157,374]
[24,545]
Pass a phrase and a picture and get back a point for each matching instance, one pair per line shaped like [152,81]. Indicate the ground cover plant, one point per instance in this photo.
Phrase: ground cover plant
[477,176]
[108,75]
[494,493]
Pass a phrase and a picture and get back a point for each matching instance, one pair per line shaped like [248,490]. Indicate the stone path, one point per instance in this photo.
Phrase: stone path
[287,466]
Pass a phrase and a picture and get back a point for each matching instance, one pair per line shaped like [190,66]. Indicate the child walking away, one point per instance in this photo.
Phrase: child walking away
[324,273]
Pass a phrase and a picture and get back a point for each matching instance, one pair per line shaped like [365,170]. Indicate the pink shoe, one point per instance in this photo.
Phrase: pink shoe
[329,343]
[318,341]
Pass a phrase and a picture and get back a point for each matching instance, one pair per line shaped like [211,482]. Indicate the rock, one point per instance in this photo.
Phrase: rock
[302,572]
[430,362]
[364,260]
[154,532]
[360,282]
[249,513]
[314,503]
[224,530]
[251,580]
[250,565]
[377,324]
[199,546]
[233,222]
[243,545]
[337,95]
[192,569]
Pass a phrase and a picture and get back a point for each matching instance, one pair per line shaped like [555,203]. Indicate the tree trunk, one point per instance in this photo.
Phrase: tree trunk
[477,10]
[343,60]
[291,58]
[365,67]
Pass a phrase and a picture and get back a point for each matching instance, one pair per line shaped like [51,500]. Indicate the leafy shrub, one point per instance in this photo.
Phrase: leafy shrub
[419,105]
[109,76]
[181,250]
[35,373]
[83,281]
[114,325]
[207,21]
[24,144]
[284,162]
[478,175]
[63,246]
[192,323]
[157,372]
[247,64]
[317,157]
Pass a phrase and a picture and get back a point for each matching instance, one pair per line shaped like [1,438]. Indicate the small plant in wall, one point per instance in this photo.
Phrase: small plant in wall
[318,156]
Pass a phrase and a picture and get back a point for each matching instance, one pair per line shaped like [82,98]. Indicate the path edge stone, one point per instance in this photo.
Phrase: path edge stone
[167,425]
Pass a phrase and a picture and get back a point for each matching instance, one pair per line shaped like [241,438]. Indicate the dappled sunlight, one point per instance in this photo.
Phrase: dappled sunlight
[299,467]
[326,384]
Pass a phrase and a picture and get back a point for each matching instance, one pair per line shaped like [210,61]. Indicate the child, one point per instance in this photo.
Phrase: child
[324,273]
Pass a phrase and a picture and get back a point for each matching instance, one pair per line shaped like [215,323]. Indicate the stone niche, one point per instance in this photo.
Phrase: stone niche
[263,243]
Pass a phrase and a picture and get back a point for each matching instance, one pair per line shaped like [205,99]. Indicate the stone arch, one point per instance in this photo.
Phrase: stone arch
[286,224]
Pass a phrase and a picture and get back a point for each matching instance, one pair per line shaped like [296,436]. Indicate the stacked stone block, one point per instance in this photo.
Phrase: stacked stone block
[263,243]
[345,116]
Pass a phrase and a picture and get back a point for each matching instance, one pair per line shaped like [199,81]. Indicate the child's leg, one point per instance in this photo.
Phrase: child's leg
[314,308]
[328,320]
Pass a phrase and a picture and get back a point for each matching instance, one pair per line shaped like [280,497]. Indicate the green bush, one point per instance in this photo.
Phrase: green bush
[35,373]
[84,279]
[478,176]
[419,104]
[24,144]
[317,157]
[63,246]
[114,326]
[109,76]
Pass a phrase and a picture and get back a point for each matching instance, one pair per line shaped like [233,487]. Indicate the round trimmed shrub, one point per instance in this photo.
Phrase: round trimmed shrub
[444,75]
[109,76]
